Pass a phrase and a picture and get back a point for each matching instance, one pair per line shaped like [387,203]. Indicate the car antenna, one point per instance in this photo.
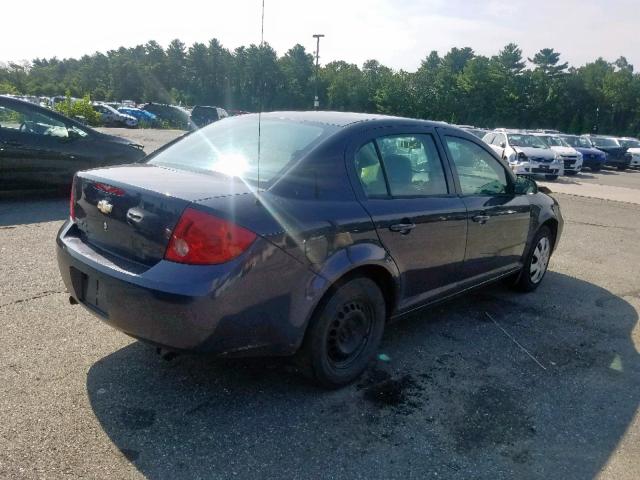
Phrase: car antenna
[261,101]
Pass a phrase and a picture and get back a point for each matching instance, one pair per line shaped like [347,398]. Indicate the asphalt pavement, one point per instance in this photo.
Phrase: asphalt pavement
[491,385]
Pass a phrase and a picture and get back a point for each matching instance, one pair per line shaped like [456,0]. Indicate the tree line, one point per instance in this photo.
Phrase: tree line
[459,87]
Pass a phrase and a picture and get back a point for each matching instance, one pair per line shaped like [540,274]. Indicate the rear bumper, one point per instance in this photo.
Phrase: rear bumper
[234,308]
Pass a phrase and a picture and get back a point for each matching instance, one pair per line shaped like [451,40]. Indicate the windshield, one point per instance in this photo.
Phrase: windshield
[605,142]
[555,141]
[230,146]
[520,140]
[576,141]
[630,143]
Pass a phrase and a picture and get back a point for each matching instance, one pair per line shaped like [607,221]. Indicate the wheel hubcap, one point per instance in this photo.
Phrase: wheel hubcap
[349,333]
[540,260]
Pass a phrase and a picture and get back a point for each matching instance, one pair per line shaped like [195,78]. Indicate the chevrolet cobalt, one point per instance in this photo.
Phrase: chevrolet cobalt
[296,233]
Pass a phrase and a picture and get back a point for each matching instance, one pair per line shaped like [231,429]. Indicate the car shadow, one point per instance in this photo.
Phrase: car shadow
[33,208]
[539,385]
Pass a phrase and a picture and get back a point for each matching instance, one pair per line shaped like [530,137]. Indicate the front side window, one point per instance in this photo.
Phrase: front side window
[479,173]
[25,120]
[412,165]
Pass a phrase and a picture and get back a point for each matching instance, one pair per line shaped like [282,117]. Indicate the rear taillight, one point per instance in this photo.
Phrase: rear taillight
[202,239]
[72,200]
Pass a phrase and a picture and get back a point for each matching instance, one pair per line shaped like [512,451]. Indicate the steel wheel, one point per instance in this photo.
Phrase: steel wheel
[349,333]
[540,259]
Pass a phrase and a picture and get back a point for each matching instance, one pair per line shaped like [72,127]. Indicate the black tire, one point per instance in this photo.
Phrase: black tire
[596,168]
[551,177]
[526,281]
[622,168]
[570,173]
[344,333]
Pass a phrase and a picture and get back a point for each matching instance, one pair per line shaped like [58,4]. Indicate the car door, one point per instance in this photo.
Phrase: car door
[498,219]
[407,190]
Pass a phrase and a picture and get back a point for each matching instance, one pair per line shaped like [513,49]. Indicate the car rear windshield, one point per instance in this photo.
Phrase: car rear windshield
[234,146]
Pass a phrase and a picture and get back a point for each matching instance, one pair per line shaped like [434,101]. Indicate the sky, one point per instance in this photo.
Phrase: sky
[398,33]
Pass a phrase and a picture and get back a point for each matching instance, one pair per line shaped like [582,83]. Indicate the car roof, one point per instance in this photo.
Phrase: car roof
[342,119]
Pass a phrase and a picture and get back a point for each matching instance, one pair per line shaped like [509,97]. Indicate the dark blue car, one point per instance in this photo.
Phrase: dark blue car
[302,237]
[592,158]
[138,113]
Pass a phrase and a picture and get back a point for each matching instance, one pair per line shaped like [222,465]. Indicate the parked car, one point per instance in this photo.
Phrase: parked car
[113,118]
[173,115]
[41,149]
[570,157]
[592,158]
[203,115]
[139,114]
[308,246]
[617,155]
[525,153]
[633,147]
[478,132]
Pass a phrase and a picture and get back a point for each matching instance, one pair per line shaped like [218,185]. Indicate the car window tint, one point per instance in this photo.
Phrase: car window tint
[25,120]
[479,172]
[413,165]
[370,172]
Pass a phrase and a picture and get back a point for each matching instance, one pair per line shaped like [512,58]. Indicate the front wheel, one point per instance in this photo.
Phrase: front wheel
[536,262]
[344,333]
[551,177]
[622,168]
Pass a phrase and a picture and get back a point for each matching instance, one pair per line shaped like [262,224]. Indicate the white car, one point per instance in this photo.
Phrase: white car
[571,158]
[110,116]
[633,147]
[525,153]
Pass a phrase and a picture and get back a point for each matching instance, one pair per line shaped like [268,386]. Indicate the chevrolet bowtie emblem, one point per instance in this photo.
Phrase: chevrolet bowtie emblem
[105,207]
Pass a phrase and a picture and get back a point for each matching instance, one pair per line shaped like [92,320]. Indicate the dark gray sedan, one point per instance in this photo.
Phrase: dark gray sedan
[300,233]
[41,149]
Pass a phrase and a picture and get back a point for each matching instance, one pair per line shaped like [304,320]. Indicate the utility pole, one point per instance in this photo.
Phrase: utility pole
[316,101]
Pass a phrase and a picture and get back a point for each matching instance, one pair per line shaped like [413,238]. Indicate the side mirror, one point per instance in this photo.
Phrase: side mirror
[525,185]
[503,145]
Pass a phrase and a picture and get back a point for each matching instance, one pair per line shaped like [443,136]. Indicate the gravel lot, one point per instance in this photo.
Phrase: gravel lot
[458,398]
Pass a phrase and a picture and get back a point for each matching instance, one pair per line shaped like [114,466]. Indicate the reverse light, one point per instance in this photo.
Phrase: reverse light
[203,239]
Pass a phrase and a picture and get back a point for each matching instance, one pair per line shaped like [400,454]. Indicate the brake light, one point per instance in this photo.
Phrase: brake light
[203,239]
[72,200]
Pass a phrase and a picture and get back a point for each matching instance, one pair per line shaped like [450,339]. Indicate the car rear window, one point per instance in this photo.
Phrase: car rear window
[233,146]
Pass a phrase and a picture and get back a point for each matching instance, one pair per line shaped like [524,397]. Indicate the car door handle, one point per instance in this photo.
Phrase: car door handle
[481,219]
[403,228]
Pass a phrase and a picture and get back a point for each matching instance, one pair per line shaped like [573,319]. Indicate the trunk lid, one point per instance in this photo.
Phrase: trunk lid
[130,211]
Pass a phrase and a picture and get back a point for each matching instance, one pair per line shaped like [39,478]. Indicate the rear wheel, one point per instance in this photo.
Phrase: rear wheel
[344,333]
[622,168]
[596,168]
[551,177]
[536,262]
[571,173]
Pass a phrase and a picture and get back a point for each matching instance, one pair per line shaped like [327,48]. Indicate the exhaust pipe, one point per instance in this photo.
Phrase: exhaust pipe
[165,354]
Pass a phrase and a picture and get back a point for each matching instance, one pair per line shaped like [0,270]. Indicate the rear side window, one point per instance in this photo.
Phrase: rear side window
[479,173]
[370,172]
[412,165]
